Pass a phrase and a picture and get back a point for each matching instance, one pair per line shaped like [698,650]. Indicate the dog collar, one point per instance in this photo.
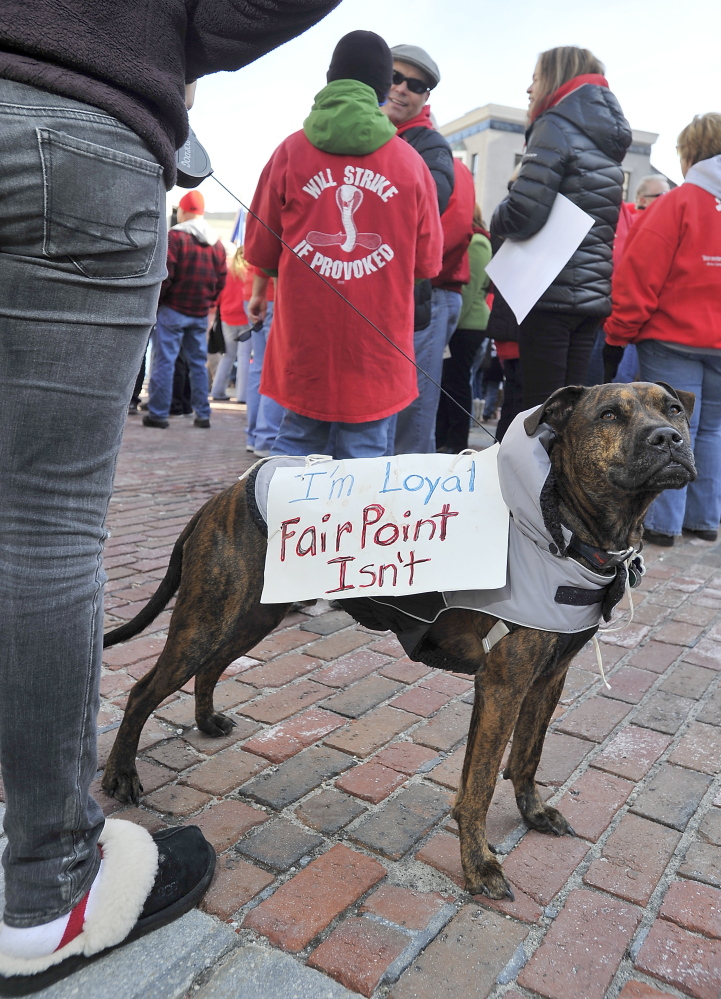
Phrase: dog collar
[598,557]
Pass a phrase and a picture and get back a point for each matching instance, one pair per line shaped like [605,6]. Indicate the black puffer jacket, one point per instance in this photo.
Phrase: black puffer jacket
[574,149]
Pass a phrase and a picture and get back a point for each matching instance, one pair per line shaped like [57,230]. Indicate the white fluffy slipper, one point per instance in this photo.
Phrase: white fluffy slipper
[113,905]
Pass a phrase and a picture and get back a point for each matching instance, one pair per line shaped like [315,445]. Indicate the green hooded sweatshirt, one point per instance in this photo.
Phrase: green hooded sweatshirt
[345,119]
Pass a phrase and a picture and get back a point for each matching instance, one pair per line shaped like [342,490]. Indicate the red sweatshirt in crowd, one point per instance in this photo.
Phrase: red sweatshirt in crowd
[457,223]
[231,300]
[668,282]
[369,226]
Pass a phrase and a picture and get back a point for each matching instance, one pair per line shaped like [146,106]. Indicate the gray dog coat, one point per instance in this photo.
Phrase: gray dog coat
[545,588]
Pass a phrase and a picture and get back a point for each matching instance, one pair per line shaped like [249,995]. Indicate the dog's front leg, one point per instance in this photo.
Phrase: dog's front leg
[528,737]
[495,709]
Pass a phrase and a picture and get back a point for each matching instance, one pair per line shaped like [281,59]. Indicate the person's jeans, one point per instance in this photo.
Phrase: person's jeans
[299,435]
[82,255]
[415,426]
[175,332]
[233,351]
[555,349]
[698,506]
[264,413]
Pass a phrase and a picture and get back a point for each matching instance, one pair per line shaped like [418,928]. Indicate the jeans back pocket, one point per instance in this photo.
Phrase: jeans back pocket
[102,206]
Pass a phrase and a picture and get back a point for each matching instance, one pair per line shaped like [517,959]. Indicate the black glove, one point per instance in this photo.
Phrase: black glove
[611,360]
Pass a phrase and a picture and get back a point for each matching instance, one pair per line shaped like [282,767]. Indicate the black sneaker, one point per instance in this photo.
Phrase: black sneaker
[201,422]
[704,535]
[148,421]
[656,538]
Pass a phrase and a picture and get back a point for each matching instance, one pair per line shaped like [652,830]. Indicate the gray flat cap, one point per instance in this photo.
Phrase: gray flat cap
[416,56]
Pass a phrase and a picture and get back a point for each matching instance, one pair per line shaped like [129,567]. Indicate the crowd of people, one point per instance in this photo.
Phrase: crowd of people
[383,264]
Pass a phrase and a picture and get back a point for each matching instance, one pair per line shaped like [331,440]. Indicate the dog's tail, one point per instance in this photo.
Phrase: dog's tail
[159,600]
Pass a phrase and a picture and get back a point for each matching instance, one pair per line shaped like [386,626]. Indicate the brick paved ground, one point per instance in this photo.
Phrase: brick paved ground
[329,802]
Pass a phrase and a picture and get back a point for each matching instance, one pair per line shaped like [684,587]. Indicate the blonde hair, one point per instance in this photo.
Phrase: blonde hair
[701,139]
[478,217]
[557,66]
[238,264]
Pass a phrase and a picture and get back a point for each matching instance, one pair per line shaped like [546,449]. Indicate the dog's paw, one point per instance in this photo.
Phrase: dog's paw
[216,725]
[125,787]
[549,820]
[489,880]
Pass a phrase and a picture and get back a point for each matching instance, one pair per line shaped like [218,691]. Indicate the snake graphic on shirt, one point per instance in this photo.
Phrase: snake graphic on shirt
[348,198]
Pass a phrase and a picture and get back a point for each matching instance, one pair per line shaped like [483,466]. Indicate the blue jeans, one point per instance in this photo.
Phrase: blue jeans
[415,426]
[627,369]
[82,255]
[264,413]
[174,332]
[698,506]
[299,435]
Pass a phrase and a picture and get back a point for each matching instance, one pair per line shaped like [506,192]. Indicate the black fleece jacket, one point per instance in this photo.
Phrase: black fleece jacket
[574,149]
[133,58]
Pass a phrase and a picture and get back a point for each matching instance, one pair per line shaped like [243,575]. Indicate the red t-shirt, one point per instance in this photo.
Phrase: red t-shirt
[369,225]
[231,301]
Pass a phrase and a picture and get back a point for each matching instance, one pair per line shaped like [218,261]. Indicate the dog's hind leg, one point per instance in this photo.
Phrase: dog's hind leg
[120,778]
[528,737]
[256,624]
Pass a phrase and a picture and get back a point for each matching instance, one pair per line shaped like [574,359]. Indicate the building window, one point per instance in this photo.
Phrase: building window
[474,163]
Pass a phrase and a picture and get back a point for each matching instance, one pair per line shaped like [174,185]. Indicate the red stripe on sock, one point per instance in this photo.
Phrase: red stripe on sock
[75,922]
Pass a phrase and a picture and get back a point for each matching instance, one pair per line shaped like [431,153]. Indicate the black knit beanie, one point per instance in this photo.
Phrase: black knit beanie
[363,56]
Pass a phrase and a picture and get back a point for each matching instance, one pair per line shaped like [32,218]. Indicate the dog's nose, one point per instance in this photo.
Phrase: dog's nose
[665,437]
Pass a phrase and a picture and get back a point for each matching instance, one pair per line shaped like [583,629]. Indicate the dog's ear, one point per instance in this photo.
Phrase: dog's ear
[687,399]
[556,409]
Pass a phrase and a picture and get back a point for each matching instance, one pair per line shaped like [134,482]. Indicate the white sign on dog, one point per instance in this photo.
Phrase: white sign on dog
[413,523]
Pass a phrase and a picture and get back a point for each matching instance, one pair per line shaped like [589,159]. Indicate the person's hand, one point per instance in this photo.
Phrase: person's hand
[257,308]
[611,360]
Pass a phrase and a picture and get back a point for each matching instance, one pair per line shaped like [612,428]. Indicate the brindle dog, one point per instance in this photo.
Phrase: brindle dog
[616,448]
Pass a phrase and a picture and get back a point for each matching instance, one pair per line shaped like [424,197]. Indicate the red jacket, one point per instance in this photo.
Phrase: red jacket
[668,283]
[457,223]
[369,226]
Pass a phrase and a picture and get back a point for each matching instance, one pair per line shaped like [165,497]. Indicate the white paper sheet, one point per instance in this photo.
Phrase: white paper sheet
[523,269]
[370,526]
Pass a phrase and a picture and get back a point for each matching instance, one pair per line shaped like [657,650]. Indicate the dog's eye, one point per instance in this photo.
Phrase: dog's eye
[608,414]
[674,410]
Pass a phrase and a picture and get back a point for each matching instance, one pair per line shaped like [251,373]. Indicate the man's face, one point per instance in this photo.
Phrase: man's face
[652,189]
[403,104]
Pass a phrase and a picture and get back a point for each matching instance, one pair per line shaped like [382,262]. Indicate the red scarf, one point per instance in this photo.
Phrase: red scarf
[567,88]
[423,119]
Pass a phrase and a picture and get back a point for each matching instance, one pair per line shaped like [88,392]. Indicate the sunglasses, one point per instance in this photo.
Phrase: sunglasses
[415,85]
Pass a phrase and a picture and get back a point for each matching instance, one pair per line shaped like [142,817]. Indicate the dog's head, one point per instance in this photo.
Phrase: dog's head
[633,437]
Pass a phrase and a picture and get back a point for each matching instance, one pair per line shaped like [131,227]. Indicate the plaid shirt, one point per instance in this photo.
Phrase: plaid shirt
[196,274]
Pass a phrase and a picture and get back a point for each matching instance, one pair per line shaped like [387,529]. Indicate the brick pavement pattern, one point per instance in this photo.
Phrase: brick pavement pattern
[329,802]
